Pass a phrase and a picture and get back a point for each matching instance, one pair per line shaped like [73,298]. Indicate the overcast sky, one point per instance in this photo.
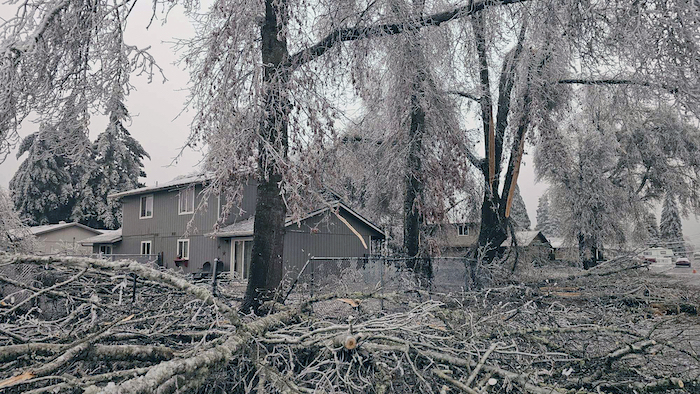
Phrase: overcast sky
[155,108]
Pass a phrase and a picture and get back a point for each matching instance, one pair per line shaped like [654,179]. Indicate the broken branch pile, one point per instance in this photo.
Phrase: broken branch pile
[73,325]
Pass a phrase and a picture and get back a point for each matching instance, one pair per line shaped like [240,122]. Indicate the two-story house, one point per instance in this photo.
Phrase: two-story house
[155,221]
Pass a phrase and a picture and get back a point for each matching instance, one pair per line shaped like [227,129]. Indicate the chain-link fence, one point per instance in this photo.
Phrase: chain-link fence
[378,275]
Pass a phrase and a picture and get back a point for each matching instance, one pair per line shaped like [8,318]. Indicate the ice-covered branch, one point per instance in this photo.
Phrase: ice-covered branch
[357,33]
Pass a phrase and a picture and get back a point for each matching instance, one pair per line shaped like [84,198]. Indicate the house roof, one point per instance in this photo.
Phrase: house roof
[524,238]
[107,237]
[47,228]
[557,242]
[175,183]
[245,228]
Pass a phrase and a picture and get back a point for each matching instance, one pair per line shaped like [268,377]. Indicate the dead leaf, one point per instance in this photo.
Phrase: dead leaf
[352,302]
[17,379]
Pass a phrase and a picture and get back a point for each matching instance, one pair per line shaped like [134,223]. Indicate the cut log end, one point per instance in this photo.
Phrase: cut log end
[350,342]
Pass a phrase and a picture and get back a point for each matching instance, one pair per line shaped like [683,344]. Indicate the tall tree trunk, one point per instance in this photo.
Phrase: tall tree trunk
[414,181]
[587,251]
[414,187]
[266,267]
[495,207]
[493,227]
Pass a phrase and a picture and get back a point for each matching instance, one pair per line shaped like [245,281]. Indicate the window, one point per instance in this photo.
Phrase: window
[663,252]
[105,249]
[241,254]
[462,229]
[186,201]
[183,249]
[146,207]
[145,247]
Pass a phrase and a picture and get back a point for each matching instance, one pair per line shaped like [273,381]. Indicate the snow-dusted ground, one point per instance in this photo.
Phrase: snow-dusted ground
[689,275]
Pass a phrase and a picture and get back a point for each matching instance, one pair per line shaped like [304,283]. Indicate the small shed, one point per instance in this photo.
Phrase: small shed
[564,250]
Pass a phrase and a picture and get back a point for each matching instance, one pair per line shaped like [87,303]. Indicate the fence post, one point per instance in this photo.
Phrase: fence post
[215,272]
[381,262]
[313,270]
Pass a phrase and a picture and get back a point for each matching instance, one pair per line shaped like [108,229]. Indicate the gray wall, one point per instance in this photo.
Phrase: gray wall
[167,226]
[324,236]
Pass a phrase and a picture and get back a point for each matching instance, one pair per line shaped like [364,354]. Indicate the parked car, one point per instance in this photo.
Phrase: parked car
[682,262]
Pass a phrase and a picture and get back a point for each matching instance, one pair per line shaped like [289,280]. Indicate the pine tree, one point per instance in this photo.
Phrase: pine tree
[546,220]
[652,228]
[518,213]
[42,188]
[671,232]
[118,159]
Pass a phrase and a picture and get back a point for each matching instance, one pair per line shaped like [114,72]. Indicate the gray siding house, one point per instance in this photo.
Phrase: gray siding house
[155,221]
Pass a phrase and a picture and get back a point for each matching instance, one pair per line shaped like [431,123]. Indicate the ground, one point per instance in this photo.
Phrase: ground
[621,327]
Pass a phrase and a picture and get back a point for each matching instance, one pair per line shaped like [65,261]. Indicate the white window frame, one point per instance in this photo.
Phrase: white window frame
[462,230]
[150,248]
[106,247]
[141,199]
[177,250]
[188,191]
[242,272]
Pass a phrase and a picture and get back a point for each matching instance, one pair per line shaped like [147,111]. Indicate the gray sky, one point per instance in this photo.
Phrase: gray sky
[155,108]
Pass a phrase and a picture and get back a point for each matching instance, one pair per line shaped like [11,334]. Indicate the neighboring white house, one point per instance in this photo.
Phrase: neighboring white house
[661,255]
[63,238]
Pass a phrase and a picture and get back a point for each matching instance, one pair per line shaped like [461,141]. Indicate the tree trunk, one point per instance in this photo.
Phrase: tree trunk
[494,228]
[588,251]
[414,181]
[266,267]
[414,190]
[495,208]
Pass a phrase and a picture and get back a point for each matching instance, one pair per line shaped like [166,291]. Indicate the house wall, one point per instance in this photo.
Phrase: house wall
[324,236]
[447,240]
[64,240]
[453,239]
[166,227]
[247,205]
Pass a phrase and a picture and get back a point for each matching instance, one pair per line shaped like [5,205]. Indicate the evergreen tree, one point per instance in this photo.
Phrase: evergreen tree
[670,229]
[118,164]
[518,214]
[42,188]
[546,220]
[652,228]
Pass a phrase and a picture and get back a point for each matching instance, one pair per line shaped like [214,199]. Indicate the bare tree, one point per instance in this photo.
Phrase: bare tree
[611,163]
[263,109]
